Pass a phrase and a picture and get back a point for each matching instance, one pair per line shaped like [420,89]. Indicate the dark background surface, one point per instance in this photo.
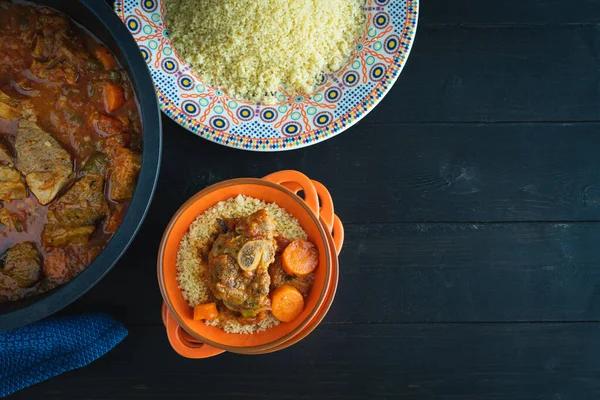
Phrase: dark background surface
[471,200]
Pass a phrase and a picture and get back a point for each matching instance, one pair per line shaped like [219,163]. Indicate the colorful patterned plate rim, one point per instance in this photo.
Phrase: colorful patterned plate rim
[340,101]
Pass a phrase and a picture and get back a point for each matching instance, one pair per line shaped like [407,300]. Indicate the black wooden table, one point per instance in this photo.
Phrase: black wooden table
[471,200]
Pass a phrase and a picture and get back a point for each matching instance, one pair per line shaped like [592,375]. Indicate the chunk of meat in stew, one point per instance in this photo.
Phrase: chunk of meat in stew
[11,184]
[239,262]
[47,166]
[23,264]
[72,218]
[125,168]
[13,221]
[12,107]
[58,54]
[279,278]
[9,290]
[63,263]
[257,225]
[9,107]
[5,154]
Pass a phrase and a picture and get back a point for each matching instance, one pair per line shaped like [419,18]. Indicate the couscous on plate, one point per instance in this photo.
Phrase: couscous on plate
[252,49]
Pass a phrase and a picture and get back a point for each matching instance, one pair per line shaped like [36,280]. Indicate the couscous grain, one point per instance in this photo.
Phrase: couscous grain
[252,48]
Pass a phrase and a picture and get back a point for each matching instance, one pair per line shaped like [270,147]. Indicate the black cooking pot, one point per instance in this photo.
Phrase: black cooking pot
[100,20]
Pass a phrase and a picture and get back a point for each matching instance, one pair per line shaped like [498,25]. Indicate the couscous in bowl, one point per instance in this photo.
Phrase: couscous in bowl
[196,339]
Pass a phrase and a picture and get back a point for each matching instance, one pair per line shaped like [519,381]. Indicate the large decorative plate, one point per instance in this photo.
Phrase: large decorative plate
[337,103]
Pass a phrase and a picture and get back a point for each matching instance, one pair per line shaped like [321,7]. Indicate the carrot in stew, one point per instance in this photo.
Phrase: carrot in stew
[56,265]
[115,219]
[206,312]
[105,57]
[287,303]
[300,258]
[113,97]
[108,126]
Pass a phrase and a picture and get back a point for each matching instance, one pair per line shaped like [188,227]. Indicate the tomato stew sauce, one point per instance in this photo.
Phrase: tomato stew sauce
[57,79]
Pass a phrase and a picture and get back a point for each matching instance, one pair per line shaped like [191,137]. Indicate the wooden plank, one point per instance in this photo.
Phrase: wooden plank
[489,272]
[416,273]
[545,12]
[487,74]
[441,362]
[415,172]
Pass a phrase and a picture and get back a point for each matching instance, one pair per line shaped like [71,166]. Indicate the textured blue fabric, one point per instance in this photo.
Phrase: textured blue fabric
[50,347]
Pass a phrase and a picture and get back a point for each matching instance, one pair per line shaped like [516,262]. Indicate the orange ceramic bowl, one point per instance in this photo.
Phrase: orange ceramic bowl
[194,339]
[196,349]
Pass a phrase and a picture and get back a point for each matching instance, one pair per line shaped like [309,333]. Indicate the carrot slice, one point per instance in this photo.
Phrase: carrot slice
[287,303]
[105,57]
[113,97]
[206,311]
[300,258]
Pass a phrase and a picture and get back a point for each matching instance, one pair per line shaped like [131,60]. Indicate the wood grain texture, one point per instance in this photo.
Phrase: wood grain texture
[451,288]
[492,12]
[421,362]
[487,74]
[414,172]
[418,273]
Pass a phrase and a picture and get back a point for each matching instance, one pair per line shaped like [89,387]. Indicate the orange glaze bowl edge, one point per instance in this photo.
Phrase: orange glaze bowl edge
[194,339]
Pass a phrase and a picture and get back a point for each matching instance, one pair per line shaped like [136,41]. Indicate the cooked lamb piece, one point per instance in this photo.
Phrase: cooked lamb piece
[47,166]
[83,204]
[5,154]
[239,262]
[23,264]
[72,218]
[11,184]
[9,107]
[126,166]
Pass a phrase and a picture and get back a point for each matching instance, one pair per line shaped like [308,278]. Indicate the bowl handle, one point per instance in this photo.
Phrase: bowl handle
[338,234]
[326,211]
[297,179]
[332,222]
[182,342]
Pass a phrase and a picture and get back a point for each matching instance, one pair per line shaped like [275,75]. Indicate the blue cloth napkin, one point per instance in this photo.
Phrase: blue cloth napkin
[50,347]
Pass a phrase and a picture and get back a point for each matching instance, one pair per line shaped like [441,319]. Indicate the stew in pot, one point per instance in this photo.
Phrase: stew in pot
[70,148]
